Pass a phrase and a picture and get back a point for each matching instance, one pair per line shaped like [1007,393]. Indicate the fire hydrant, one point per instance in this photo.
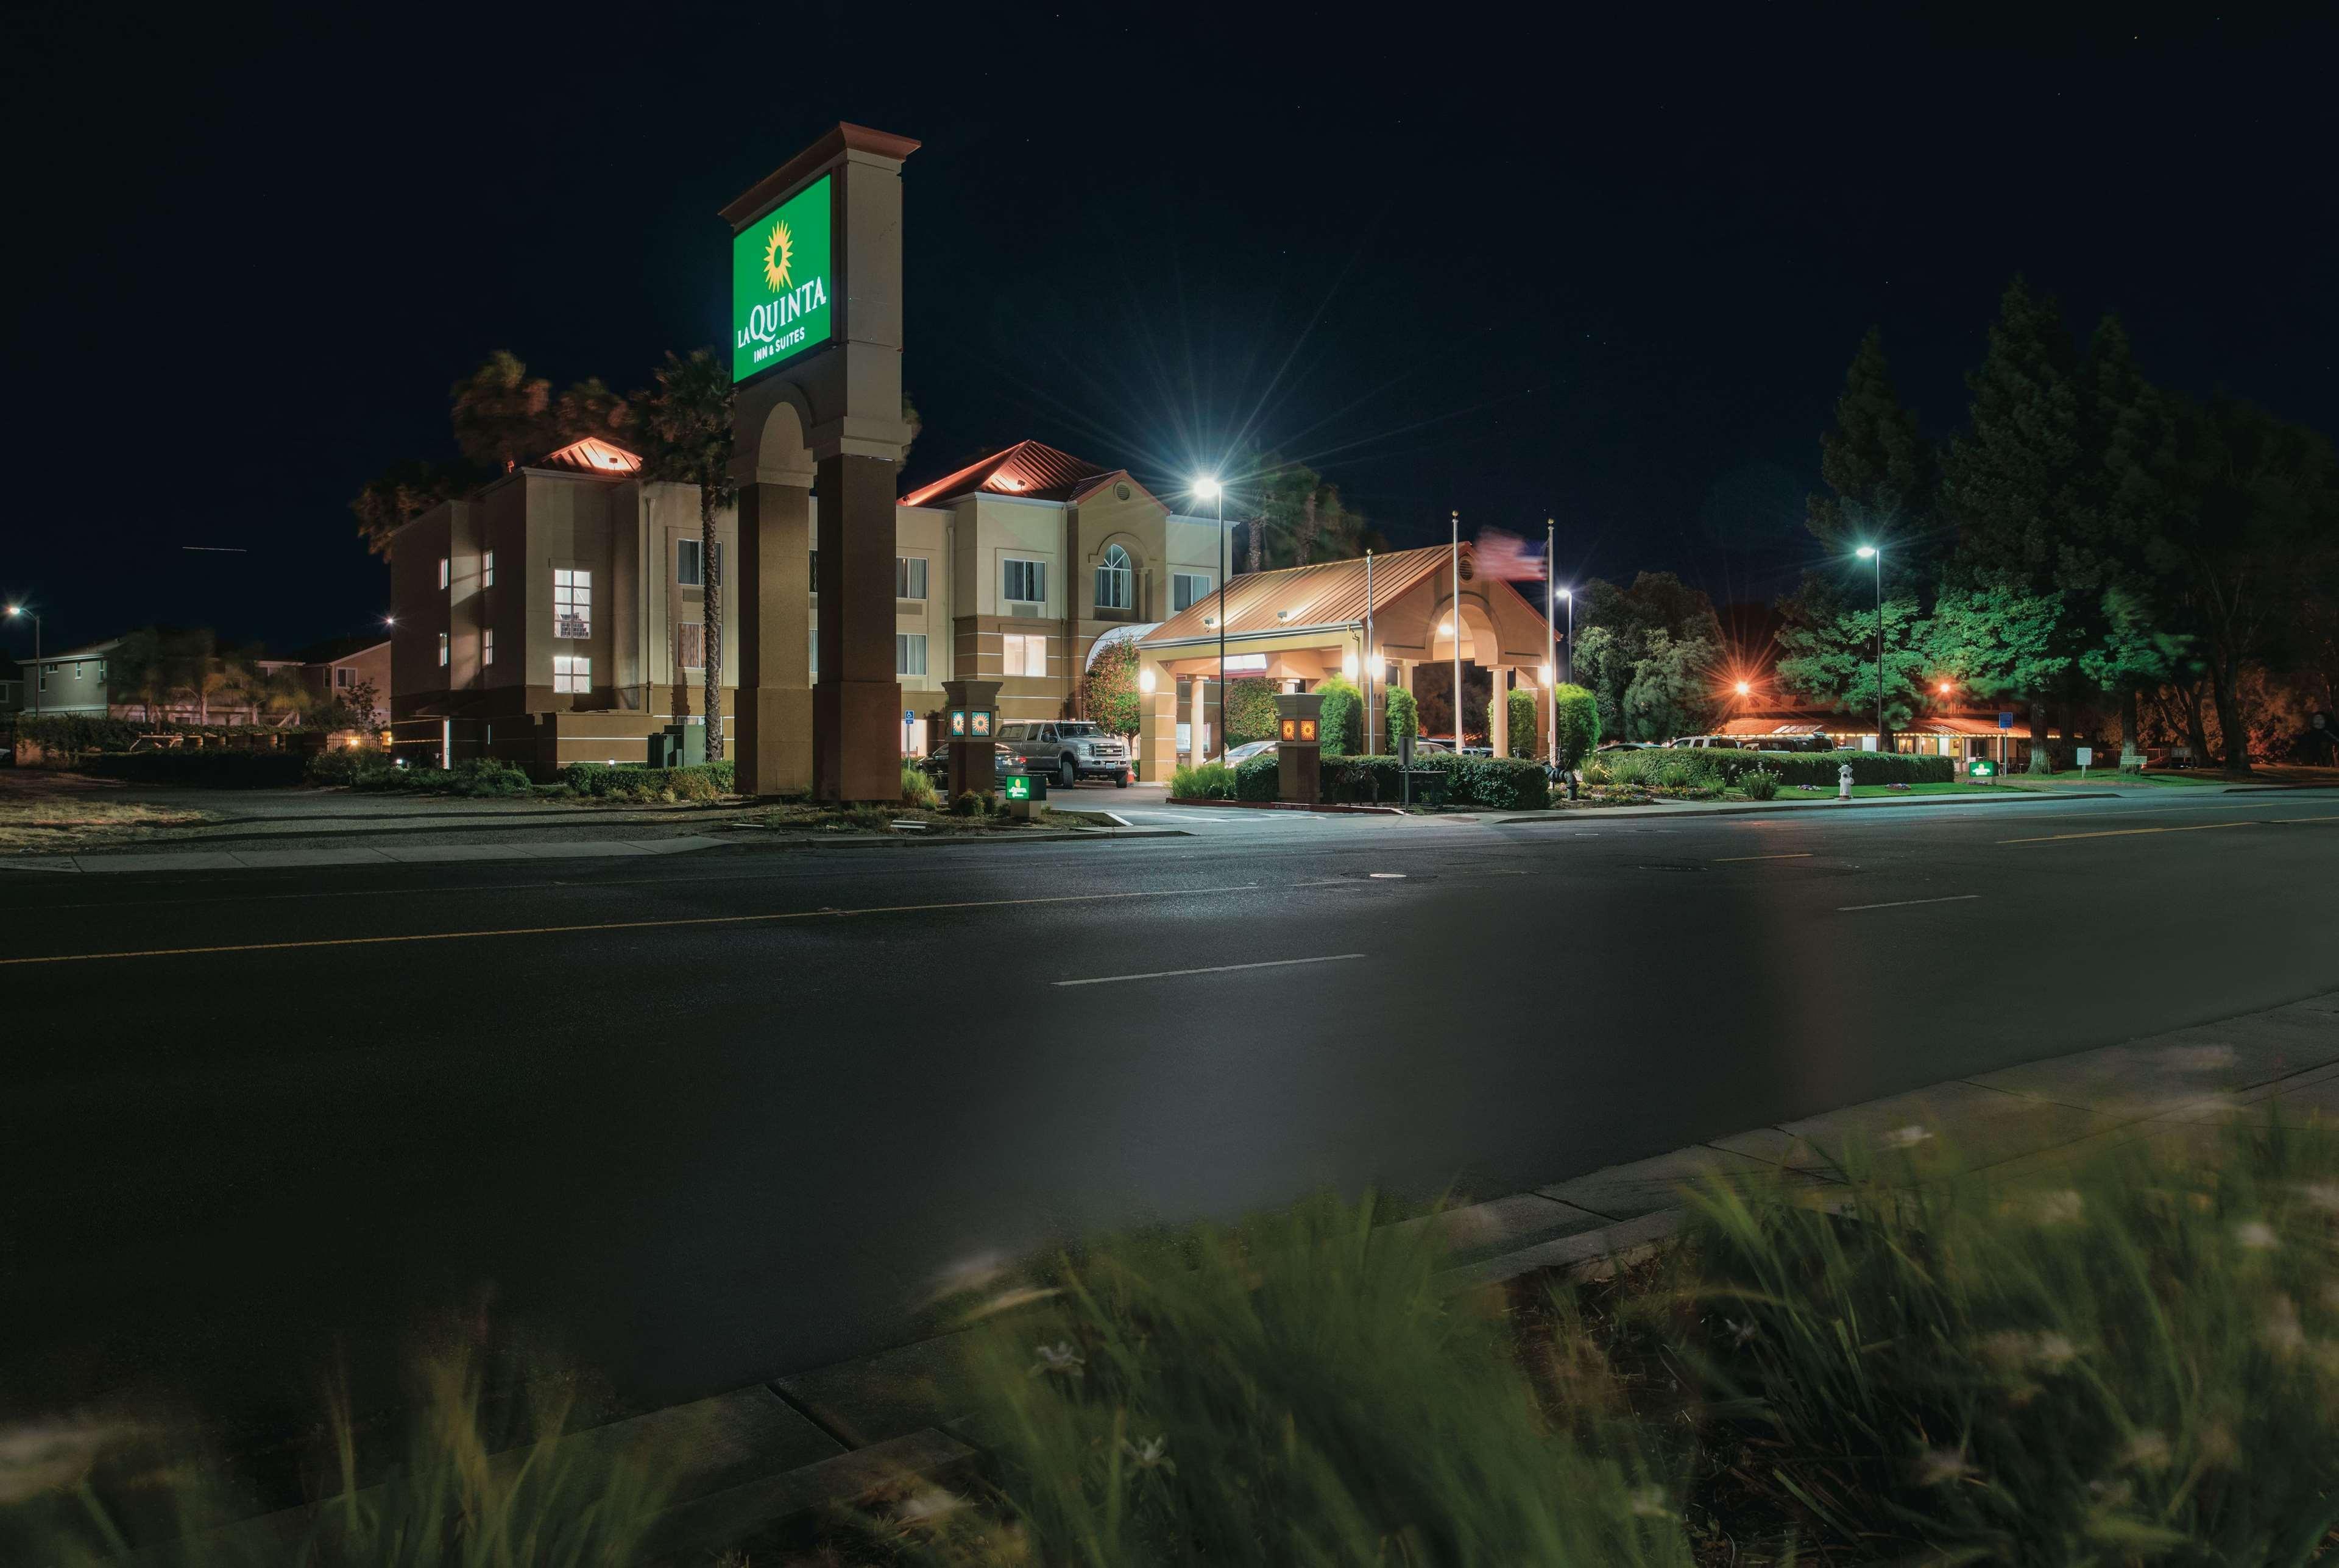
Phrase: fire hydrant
[1843,782]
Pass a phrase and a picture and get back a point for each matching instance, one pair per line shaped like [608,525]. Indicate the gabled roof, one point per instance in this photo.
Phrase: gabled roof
[1028,470]
[603,459]
[86,651]
[1329,595]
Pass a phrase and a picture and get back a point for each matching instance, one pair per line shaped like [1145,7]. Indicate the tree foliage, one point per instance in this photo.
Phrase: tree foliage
[1251,710]
[1579,725]
[1341,725]
[1524,717]
[1109,693]
[1403,715]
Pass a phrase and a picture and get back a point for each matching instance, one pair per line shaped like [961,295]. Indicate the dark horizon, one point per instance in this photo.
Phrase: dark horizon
[1612,279]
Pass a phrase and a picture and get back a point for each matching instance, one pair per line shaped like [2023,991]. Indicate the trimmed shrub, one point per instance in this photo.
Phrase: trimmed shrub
[1342,727]
[1210,781]
[211,767]
[1257,778]
[1579,725]
[1691,767]
[1759,784]
[1503,784]
[629,781]
[1403,715]
[1251,710]
[1525,716]
[80,731]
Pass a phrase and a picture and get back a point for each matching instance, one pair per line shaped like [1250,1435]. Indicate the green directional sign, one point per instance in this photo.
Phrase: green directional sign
[1016,786]
[782,283]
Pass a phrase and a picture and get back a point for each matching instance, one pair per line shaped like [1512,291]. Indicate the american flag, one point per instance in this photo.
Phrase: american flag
[1507,557]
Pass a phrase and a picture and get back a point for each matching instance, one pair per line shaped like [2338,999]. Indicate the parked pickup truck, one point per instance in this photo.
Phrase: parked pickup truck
[1068,750]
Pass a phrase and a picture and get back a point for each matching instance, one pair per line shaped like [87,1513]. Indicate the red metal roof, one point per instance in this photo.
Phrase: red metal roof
[1033,470]
[1332,593]
[592,456]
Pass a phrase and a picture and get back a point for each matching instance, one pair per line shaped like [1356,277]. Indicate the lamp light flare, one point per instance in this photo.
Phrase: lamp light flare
[1744,688]
[1145,680]
[1207,488]
[1866,552]
[1944,688]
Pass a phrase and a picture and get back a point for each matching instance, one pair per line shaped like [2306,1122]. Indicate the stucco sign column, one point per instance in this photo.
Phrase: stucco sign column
[817,353]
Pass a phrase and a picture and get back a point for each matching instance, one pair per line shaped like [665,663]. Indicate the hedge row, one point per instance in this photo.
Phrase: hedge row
[92,733]
[1501,783]
[1688,766]
[626,781]
[212,767]
[373,770]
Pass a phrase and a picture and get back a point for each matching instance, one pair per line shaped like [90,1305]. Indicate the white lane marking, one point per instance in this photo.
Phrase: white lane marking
[1211,969]
[1904,903]
[1386,875]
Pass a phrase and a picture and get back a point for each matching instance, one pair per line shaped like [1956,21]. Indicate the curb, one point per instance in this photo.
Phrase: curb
[1772,808]
[908,840]
[1288,805]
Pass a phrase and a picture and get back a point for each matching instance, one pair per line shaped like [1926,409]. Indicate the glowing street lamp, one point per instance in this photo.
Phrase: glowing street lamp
[15,612]
[1744,688]
[1871,553]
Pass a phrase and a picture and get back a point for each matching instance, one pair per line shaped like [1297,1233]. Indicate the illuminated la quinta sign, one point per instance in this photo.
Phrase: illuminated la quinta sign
[780,281]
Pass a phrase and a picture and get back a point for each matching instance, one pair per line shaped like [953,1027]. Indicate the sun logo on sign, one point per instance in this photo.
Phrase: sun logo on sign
[779,252]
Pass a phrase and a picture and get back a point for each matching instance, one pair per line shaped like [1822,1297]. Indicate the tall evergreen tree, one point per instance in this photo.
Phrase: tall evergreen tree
[1883,483]
[2020,478]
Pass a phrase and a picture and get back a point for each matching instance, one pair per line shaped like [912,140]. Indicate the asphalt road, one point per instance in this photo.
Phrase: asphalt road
[720,1117]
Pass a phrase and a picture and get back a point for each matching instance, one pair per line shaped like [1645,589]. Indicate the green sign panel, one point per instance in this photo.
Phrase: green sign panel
[781,283]
[1981,768]
[1017,786]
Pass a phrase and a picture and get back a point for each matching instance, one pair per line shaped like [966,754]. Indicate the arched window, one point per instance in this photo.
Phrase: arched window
[1116,584]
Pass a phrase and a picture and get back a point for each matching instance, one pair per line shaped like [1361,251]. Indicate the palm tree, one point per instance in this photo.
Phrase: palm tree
[591,408]
[685,425]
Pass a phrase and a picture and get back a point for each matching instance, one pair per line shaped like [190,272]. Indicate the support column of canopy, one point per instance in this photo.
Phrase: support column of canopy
[774,717]
[1159,716]
[856,703]
[1198,748]
[1498,711]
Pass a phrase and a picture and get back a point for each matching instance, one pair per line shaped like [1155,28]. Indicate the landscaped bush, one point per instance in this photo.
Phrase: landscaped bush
[1404,716]
[1715,767]
[1579,725]
[1303,1389]
[1257,778]
[1523,711]
[1206,780]
[1342,725]
[80,731]
[207,767]
[1759,784]
[1250,709]
[1503,783]
[365,769]
[630,782]
[917,789]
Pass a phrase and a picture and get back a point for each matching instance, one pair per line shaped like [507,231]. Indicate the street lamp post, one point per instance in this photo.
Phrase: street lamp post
[1870,553]
[1211,490]
[1550,627]
[14,612]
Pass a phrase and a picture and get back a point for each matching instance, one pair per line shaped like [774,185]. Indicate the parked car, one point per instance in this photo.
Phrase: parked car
[1069,750]
[1627,747]
[935,763]
[1707,743]
[1446,744]
[1237,755]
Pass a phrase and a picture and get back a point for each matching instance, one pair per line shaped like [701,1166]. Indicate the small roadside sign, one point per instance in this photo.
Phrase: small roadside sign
[1016,786]
[2005,720]
[1981,768]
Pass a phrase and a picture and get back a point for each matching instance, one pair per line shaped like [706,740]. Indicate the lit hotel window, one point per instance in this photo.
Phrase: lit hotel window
[571,674]
[443,579]
[487,571]
[488,646]
[442,650]
[572,603]
[1023,654]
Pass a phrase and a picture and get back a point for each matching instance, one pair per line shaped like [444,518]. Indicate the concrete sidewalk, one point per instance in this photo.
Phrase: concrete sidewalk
[195,858]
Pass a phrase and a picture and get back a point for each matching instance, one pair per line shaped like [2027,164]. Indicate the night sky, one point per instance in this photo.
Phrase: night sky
[1456,257]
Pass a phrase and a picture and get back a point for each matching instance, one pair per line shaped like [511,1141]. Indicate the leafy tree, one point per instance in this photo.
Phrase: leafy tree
[686,425]
[1251,710]
[1604,663]
[1110,697]
[1342,722]
[1996,643]
[1672,692]
[590,408]
[2023,477]
[1833,663]
[503,416]
[1579,725]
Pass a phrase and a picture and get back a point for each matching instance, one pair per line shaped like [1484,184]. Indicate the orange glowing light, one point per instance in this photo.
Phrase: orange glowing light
[1944,688]
[1744,688]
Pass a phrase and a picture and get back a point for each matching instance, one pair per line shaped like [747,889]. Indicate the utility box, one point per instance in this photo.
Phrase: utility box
[1300,747]
[677,745]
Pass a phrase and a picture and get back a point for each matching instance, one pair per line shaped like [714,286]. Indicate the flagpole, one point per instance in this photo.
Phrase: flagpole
[1457,634]
[1550,624]
[1369,672]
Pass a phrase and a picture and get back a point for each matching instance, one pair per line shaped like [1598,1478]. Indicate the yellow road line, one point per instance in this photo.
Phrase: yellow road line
[2132,832]
[1799,854]
[622,925]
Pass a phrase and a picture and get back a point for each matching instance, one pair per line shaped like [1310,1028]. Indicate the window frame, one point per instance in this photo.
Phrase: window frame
[903,643]
[1023,642]
[682,645]
[1123,577]
[1197,587]
[698,556]
[443,650]
[446,573]
[911,572]
[488,568]
[486,647]
[576,679]
[565,595]
[1035,575]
